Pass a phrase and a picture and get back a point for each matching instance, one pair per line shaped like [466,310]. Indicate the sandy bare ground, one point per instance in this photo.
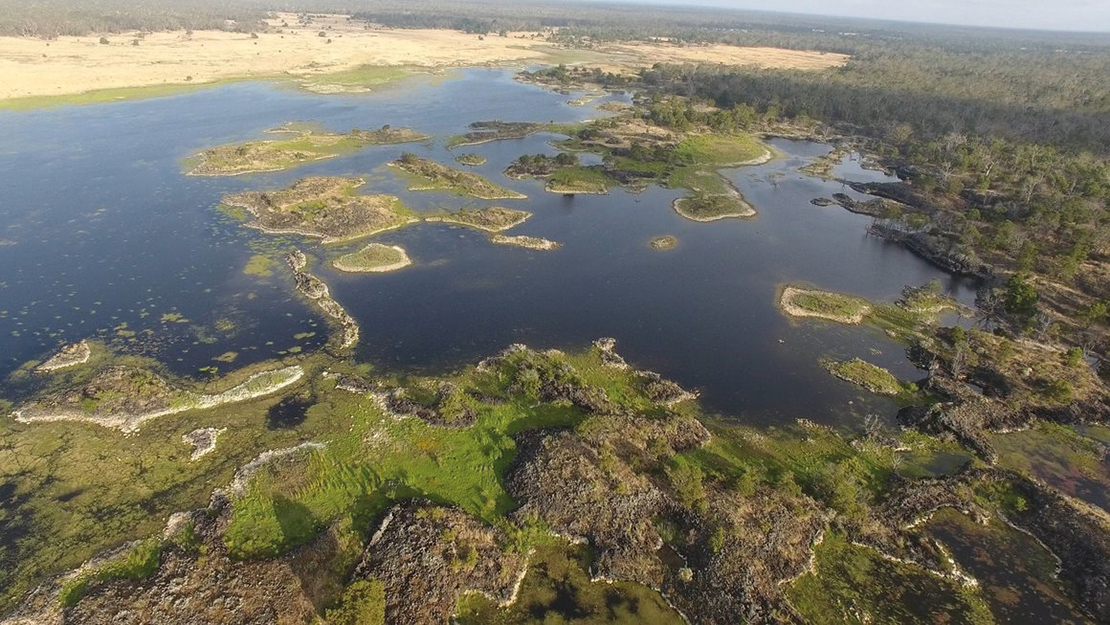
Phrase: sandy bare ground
[73,65]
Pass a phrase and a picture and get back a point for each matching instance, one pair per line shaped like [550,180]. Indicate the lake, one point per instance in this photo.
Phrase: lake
[102,235]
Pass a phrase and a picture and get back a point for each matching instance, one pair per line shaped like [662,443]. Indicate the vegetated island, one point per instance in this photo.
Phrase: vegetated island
[305,145]
[802,302]
[325,207]
[871,377]
[374,258]
[125,397]
[428,175]
[487,131]
[637,150]
[470,159]
[563,172]
[490,219]
[532,243]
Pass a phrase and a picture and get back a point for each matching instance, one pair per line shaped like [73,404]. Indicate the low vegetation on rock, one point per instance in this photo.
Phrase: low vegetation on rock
[302,144]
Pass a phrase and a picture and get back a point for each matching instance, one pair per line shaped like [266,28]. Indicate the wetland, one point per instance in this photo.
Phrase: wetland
[319,415]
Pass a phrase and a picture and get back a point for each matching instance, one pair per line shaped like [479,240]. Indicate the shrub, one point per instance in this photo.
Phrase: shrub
[362,603]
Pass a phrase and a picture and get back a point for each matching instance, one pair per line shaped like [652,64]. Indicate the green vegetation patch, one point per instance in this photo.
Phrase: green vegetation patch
[490,219]
[558,583]
[260,265]
[800,302]
[854,584]
[871,377]
[358,79]
[374,258]
[471,159]
[304,145]
[428,175]
[720,149]
[713,207]
[573,180]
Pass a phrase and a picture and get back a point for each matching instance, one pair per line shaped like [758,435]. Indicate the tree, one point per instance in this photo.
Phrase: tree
[1020,296]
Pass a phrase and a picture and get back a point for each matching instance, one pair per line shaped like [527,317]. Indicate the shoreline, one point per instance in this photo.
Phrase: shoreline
[130,423]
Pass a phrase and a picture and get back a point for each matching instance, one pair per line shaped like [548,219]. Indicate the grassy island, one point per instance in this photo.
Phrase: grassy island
[326,207]
[428,175]
[374,258]
[488,131]
[871,377]
[470,159]
[573,180]
[713,207]
[492,219]
[303,145]
[800,302]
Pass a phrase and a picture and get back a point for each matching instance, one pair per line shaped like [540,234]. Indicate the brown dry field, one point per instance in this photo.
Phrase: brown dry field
[73,65]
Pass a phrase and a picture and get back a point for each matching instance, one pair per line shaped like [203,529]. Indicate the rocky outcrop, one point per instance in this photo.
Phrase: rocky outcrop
[940,251]
[765,541]
[313,288]
[68,356]
[427,556]
[203,441]
[588,494]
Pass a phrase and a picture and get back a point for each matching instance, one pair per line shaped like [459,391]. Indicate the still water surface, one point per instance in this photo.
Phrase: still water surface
[104,236]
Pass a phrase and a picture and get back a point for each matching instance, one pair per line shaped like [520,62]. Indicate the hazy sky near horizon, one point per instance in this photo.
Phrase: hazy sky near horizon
[1082,15]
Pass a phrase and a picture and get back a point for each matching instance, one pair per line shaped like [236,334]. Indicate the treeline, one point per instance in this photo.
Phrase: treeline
[875,96]
[54,18]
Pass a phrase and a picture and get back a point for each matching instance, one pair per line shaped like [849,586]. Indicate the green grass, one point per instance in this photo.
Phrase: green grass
[260,265]
[364,76]
[829,303]
[371,257]
[718,149]
[855,585]
[105,96]
[709,207]
[869,376]
[558,576]
[699,180]
[580,180]
[471,159]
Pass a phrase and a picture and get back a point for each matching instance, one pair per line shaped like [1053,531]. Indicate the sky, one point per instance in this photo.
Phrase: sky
[1081,15]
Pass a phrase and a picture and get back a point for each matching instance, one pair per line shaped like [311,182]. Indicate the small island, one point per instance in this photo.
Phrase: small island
[713,207]
[325,207]
[304,145]
[563,172]
[428,175]
[665,242]
[374,258]
[491,219]
[532,243]
[864,374]
[801,302]
[470,159]
[487,131]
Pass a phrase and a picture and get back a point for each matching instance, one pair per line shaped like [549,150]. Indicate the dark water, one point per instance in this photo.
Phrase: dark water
[102,229]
